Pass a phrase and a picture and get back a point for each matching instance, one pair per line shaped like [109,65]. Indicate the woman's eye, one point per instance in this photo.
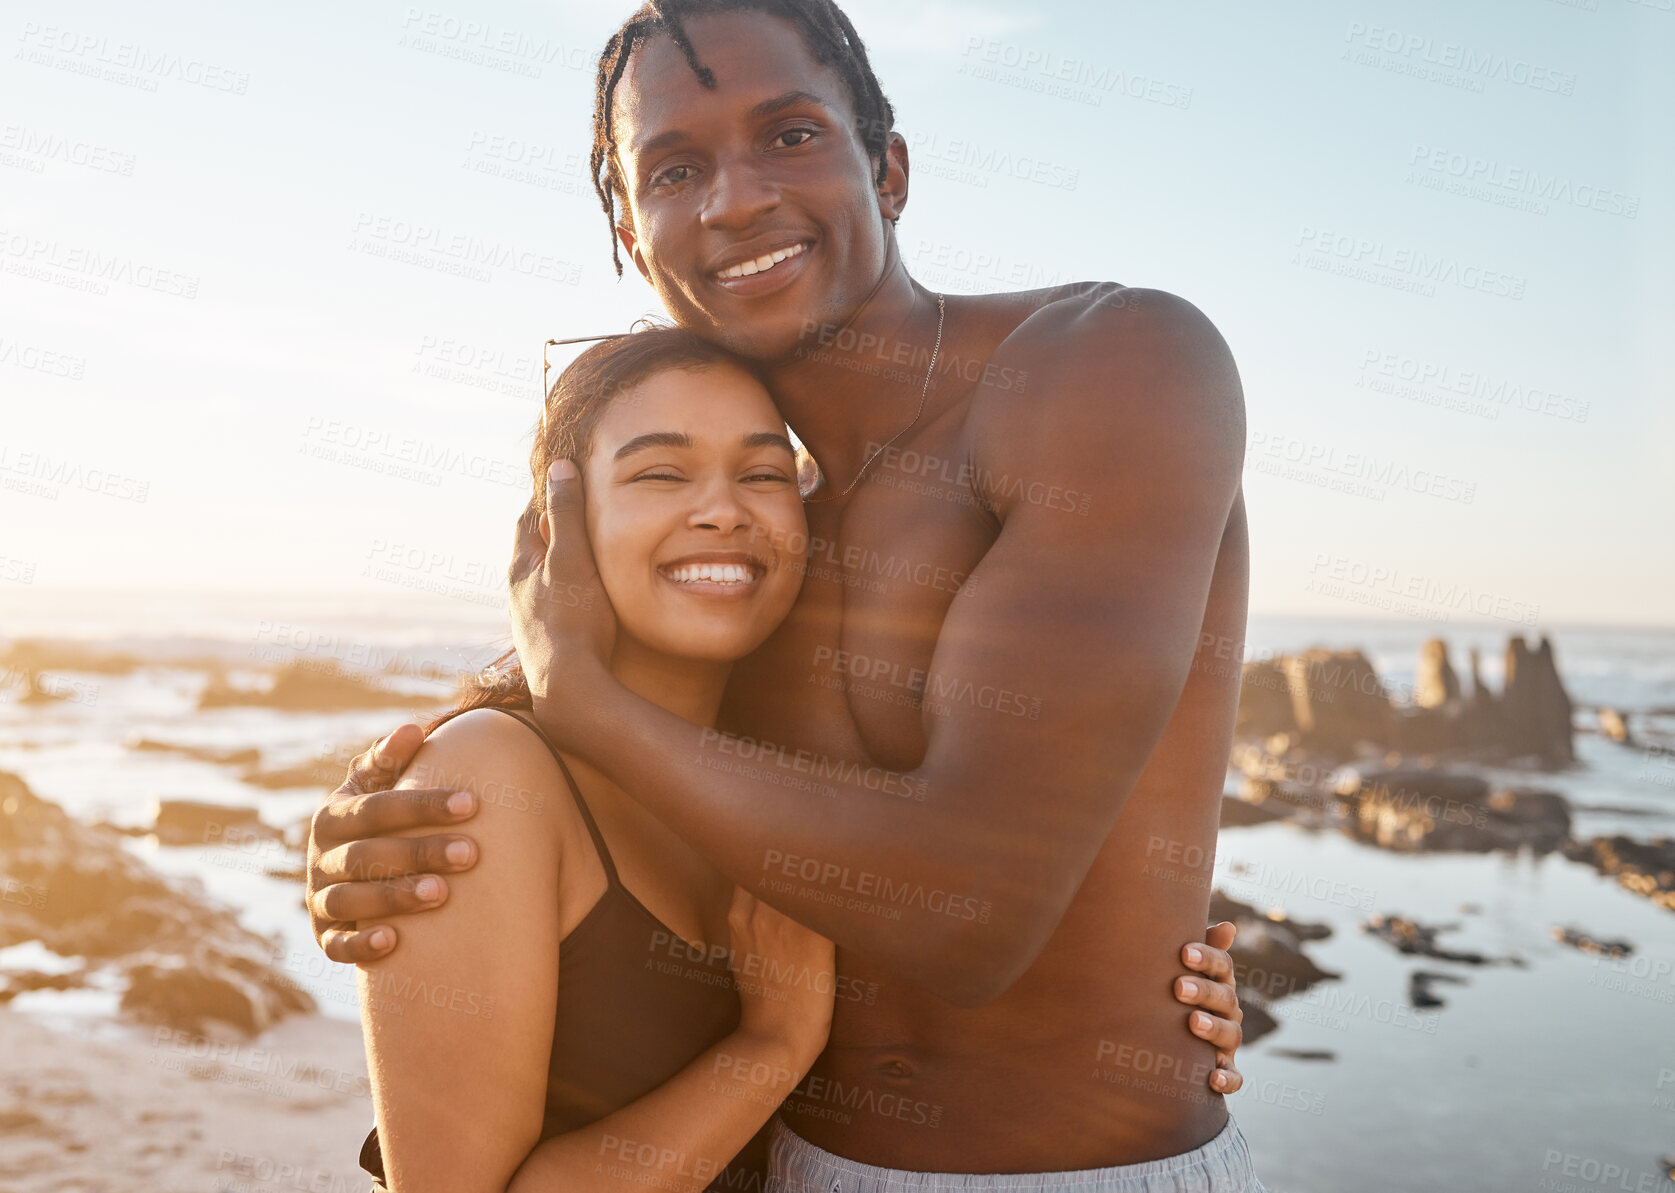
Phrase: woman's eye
[658,476]
[769,476]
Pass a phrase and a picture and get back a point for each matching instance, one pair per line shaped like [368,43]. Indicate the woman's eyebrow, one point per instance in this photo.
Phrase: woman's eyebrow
[681,439]
[767,439]
[653,439]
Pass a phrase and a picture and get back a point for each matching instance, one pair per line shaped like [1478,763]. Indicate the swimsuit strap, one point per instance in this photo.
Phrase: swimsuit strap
[581,804]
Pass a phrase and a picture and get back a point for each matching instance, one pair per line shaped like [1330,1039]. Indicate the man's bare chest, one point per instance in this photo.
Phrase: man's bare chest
[846,673]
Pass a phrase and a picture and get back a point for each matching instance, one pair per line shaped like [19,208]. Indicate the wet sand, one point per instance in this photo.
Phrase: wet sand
[145,1110]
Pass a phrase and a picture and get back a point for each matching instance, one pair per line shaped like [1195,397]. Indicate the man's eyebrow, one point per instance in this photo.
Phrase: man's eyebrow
[650,440]
[778,104]
[768,107]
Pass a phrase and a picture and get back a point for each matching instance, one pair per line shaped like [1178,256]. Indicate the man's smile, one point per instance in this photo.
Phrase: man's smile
[766,272]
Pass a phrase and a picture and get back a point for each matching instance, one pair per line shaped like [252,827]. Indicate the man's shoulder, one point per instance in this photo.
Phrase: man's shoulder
[1086,317]
[1091,349]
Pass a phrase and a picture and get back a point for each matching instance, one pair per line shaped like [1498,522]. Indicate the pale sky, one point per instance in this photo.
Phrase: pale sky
[237,355]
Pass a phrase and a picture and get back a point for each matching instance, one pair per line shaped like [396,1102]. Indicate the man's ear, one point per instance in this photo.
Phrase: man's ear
[630,242]
[892,192]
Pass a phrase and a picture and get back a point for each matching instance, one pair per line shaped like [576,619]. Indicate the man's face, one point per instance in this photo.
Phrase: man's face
[767,169]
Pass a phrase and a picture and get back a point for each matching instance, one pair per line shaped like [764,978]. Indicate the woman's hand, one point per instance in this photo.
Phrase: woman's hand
[562,623]
[786,974]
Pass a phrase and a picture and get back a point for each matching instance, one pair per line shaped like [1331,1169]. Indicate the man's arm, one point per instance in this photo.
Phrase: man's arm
[1135,402]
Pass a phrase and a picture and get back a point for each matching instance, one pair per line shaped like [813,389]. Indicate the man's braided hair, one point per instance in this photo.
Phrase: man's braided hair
[830,37]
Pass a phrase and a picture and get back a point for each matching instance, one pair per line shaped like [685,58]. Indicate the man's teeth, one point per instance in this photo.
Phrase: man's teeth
[763,263]
[715,573]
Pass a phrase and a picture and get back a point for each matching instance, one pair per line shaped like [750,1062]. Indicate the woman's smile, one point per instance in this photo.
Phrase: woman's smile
[725,575]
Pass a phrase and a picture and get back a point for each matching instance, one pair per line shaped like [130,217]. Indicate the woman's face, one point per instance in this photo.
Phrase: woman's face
[693,512]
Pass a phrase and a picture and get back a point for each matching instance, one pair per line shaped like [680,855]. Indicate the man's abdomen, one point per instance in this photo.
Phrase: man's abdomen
[1085,1062]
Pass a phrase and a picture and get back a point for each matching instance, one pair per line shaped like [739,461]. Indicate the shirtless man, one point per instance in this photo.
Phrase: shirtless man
[985,753]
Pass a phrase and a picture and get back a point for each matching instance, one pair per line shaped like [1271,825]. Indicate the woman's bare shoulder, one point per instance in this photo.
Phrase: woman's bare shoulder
[503,762]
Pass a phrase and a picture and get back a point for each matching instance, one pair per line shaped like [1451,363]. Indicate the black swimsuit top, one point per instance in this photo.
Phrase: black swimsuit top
[636,1004]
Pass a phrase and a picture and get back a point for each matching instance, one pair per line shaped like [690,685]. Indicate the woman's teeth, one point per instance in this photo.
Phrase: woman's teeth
[762,264]
[714,573]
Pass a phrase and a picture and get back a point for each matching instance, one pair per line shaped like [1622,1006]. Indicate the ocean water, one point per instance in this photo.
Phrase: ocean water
[1547,1069]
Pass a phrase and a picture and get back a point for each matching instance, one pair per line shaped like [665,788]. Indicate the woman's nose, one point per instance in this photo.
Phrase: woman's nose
[719,508]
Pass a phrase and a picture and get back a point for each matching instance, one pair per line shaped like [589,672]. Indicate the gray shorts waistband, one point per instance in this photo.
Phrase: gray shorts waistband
[1220,1166]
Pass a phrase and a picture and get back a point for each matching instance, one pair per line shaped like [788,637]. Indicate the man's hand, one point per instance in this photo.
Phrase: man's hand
[357,875]
[1216,993]
[562,623]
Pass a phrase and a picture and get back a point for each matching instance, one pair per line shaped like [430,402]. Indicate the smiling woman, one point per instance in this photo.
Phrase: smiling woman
[611,995]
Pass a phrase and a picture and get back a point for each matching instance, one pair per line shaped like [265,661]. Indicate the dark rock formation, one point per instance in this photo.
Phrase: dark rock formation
[1426,810]
[1238,813]
[22,981]
[1576,938]
[1419,984]
[1644,867]
[245,757]
[1268,952]
[1280,771]
[306,687]
[321,774]
[1264,701]
[1421,731]
[1305,1054]
[29,655]
[1435,683]
[1268,956]
[196,822]
[190,988]
[78,891]
[1337,705]
[1535,708]
[1482,709]
[1415,939]
[1337,699]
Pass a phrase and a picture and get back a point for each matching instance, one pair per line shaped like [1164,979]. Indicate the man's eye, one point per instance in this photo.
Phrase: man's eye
[673,176]
[805,133]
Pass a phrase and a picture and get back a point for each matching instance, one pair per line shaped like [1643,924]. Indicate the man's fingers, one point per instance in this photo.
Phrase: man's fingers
[529,549]
[380,767]
[1214,997]
[377,813]
[567,545]
[1209,960]
[1223,1033]
[353,946]
[383,859]
[1220,936]
[355,902]
[1226,1079]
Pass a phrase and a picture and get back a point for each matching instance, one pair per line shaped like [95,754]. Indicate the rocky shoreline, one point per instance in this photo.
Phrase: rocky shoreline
[178,959]
[1322,741]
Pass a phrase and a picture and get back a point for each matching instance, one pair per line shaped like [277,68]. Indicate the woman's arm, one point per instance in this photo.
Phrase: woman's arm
[459,1024]
[678,1138]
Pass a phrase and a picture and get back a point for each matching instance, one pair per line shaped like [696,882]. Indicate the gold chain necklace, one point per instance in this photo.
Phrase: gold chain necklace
[941,314]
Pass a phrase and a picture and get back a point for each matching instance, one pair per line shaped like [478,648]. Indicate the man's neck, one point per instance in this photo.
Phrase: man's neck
[850,387]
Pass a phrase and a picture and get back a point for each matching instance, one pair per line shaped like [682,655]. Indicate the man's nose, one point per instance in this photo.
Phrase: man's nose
[739,196]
